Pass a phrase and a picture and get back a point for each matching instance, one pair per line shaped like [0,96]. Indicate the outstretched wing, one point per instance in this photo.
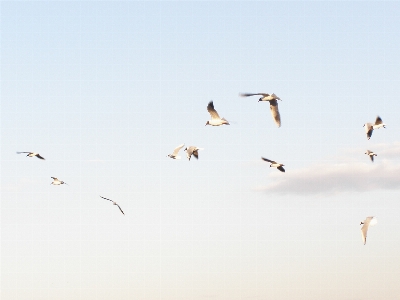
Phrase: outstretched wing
[106,199]
[212,111]
[281,169]
[38,156]
[54,178]
[248,95]
[266,159]
[23,152]
[176,150]
[120,209]
[273,105]
[364,229]
[378,120]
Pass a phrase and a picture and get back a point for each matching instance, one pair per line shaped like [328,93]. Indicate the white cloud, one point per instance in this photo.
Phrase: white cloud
[346,176]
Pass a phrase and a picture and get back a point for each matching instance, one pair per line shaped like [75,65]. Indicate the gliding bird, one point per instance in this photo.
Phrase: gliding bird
[367,222]
[215,118]
[192,150]
[273,105]
[57,182]
[369,127]
[114,203]
[174,154]
[32,154]
[371,155]
[274,164]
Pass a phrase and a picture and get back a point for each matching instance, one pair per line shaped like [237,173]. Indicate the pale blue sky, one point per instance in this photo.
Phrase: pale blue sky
[105,90]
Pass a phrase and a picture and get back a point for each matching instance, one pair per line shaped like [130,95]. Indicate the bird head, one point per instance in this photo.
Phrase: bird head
[361,223]
[260,99]
[208,123]
[185,149]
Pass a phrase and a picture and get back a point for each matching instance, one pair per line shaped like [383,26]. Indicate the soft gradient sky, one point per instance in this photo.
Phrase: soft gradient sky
[105,90]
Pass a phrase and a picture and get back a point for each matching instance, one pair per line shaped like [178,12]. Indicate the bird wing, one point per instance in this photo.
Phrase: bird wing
[176,150]
[275,97]
[54,178]
[248,95]
[38,156]
[120,209]
[196,153]
[281,169]
[106,199]
[212,111]
[266,159]
[273,105]
[372,158]
[23,152]
[378,120]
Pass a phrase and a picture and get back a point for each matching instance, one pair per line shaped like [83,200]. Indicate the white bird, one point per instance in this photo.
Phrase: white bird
[57,182]
[273,105]
[367,222]
[215,118]
[174,154]
[274,164]
[32,154]
[369,127]
[114,203]
[371,155]
[192,150]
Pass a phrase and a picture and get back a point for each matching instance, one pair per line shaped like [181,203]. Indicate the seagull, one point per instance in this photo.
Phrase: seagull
[369,127]
[273,105]
[174,154]
[114,203]
[32,154]
[274,164]
[215,118]
[371,155]
[57,182]
[192,150]
[368,221]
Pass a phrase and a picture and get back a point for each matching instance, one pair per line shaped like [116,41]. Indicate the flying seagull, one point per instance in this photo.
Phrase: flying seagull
[369,127]
[174,154]
[371,155]
[215,118]
[192,150]
[368,221]
[274,164]
[273,105]
[32,154]
[57,182]
[114,203]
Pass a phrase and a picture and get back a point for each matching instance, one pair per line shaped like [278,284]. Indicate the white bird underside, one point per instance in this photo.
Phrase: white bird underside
[364,229]
[174,154]
[216,120]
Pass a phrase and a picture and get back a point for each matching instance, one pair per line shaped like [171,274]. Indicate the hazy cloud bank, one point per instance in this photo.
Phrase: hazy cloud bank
[330,179]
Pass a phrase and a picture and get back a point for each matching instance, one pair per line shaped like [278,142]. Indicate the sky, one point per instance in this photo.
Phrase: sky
[104,91]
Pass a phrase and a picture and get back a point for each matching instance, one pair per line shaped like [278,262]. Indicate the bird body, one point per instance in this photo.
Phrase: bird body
[216,120]
[174,154]
[192,150]
[364,229]
[274,164]
[371,155]
[114,203]
[32,154]
[273,105]
[56,181]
